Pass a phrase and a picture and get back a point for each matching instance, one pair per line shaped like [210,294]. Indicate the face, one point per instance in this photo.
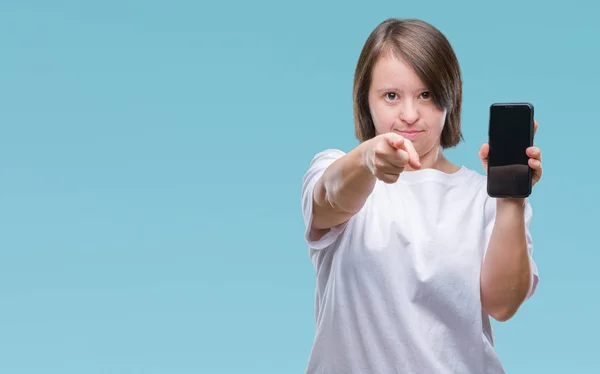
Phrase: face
[399,102]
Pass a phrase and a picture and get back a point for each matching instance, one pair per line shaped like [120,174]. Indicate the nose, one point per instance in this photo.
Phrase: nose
[409,113]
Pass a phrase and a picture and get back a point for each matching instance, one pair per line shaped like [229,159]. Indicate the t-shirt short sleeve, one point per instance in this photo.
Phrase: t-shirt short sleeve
[490,218]
[317,167]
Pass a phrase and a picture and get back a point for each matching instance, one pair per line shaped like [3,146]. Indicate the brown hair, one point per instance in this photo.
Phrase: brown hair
[430,54]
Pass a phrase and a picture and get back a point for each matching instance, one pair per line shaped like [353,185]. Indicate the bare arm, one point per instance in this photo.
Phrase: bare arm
[346,184]
[342,190]
[506,276]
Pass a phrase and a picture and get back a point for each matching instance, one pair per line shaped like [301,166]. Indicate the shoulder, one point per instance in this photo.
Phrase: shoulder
[474,177]
[317,166]
[327,155]
[321,161]
[472,181]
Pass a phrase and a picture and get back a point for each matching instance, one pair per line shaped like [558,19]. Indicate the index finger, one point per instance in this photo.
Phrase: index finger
[413,156]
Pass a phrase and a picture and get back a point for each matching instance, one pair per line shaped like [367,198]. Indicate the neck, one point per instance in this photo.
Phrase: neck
[435,159]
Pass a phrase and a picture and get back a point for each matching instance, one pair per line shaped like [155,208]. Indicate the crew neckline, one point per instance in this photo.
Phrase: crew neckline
[430,174]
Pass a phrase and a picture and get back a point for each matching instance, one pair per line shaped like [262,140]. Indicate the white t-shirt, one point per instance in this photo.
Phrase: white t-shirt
[398,287]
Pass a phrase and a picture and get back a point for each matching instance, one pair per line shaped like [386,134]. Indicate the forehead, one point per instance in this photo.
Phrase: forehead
[391,71]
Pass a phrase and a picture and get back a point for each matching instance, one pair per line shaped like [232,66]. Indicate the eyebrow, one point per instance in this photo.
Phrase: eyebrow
[387,89]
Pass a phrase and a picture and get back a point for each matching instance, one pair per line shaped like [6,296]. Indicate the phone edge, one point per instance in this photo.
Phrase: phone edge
[531,139]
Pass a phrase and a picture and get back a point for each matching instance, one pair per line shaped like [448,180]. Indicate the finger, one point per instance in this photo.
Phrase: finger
[400,143]
[398,160]
[413,156]
[484,151]
[535,164]
[390,168]
[534,152]
[388,177]
[394,140]
[535,126]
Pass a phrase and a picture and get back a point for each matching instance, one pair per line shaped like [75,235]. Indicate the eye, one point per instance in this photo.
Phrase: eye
[391,96]
[426,95]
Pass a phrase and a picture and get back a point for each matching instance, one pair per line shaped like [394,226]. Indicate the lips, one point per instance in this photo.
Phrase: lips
[409,134]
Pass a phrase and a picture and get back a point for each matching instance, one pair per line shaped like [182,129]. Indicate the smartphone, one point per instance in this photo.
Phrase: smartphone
[510,134]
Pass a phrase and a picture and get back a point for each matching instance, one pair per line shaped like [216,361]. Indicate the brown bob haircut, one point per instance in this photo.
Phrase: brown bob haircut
[427,50]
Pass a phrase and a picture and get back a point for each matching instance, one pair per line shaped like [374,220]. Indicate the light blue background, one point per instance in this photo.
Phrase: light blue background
[151,160]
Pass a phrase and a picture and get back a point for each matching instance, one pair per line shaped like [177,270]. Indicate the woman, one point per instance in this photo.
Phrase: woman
[412,256]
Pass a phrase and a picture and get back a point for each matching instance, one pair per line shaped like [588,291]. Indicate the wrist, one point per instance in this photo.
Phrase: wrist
[510,203]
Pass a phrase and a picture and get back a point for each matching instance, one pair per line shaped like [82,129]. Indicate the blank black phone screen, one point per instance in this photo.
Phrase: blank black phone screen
[510,134]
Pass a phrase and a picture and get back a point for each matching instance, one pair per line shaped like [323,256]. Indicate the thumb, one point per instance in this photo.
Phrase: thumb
[484,151]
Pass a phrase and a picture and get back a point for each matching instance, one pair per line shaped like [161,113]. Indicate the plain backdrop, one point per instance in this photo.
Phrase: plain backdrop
[151,158]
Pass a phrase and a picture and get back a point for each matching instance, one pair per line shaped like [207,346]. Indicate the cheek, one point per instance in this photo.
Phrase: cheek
[437,120]
[442,121]
[383,118]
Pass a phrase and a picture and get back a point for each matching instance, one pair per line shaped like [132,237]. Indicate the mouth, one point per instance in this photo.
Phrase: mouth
[409,134]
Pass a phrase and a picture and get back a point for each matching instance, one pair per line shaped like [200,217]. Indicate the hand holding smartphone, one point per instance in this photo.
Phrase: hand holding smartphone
[511,130]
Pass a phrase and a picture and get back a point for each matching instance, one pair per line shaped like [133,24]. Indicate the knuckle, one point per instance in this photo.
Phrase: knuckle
[390,179]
